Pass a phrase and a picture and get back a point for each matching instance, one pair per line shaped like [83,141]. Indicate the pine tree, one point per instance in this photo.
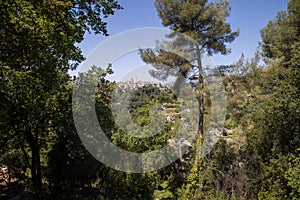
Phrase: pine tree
[205,24]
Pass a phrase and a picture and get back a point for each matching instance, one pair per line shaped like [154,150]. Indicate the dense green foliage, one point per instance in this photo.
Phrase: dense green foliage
[37,47]
[256,157]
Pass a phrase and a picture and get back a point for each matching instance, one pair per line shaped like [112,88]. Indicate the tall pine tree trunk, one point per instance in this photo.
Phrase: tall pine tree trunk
[200,98]
[195,176]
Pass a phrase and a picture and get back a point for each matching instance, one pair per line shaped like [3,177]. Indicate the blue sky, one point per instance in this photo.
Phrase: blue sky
[248,15]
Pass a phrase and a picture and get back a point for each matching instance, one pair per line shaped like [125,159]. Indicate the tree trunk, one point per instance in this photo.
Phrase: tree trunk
[200,99]
[36,166]
[35,162]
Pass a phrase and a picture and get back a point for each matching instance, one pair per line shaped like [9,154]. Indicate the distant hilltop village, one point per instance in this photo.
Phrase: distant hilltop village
[136,84]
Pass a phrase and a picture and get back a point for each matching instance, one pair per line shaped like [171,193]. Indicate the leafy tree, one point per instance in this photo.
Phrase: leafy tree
[273,136]
[280,34]
[37,47]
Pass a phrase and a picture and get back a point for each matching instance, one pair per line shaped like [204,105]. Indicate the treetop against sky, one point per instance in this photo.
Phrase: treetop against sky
[249,16]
